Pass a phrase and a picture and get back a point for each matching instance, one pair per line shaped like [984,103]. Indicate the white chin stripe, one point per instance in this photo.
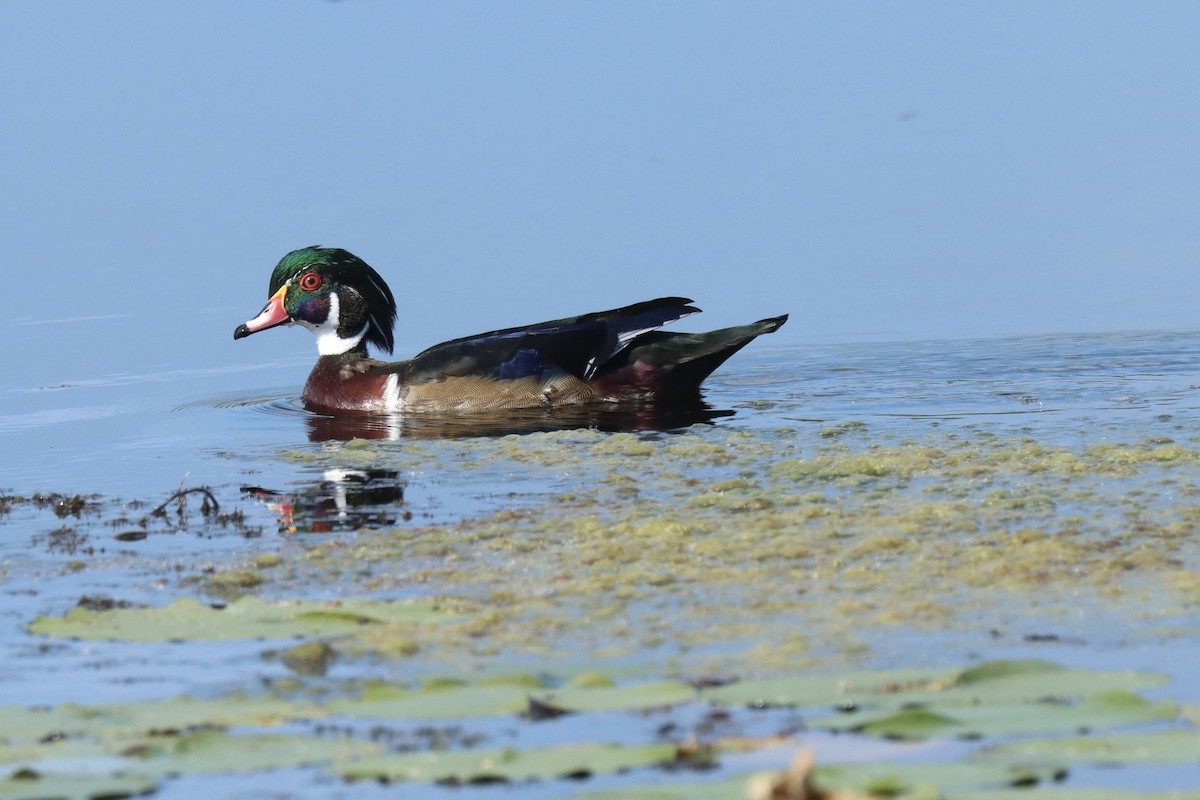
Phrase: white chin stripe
[328,341]
[330,344]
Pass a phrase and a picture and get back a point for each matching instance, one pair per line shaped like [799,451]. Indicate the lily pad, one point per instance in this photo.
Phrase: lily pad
[456,700]
[825,690]
[909,723]
[124,720]
[1175,746]
[30,753]
[1038,681]
[906,780]
[203,751]
[919,779]
[217,751]
[1105,710]
[993,670]
[437,702]
[622,697]
[28,784]
[729,789]
[990,683]
[186,619]
[483,766]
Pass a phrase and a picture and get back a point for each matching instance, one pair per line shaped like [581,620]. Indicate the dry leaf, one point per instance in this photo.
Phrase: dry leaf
[796,784]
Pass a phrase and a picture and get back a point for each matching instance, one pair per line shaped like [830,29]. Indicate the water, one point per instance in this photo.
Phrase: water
[138,435]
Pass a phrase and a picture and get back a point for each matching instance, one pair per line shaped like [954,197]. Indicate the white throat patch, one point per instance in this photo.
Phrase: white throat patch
[328,341]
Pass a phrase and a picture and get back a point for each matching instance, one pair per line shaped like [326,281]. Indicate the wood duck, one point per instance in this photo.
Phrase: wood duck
[616,356]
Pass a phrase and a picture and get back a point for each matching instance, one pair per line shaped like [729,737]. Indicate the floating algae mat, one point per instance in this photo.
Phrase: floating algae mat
[932,607]
[735,550]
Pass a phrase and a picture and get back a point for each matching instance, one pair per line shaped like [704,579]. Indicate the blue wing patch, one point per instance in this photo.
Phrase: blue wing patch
[522,365]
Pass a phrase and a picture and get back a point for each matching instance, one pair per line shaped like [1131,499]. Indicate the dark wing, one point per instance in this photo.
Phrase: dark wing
[576,345]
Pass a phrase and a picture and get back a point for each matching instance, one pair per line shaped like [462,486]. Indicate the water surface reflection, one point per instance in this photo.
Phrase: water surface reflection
[343,500]
[322,428]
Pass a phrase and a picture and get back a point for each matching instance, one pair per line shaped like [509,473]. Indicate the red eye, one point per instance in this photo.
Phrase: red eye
[310,281]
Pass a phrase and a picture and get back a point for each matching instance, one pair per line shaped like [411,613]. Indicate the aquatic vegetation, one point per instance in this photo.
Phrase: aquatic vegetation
[576,762]
[189,736]
[738,534]
[741,576]
[246,618]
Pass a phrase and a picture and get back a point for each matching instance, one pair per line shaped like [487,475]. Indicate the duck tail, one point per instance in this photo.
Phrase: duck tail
[663,364]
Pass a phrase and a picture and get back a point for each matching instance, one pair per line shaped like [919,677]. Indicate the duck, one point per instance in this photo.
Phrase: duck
[616,357]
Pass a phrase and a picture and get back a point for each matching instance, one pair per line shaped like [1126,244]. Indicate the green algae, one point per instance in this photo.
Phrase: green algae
[923,534]
[309,658]
[233,581]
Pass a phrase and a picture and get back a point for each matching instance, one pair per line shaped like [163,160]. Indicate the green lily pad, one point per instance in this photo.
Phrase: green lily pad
[1037,681]
[530,683]
[590,680]
[1175,746]
[29,784]
[1100,711]
[733,788]
[30,753]
[474,766]
[437,702]
[624,697]
[912,781]
[910,723]
[123,720]
[990,683]
[203,751]
[218,751]
[456,700]
[993,670]
[824,690]
[246,618]
[917,778]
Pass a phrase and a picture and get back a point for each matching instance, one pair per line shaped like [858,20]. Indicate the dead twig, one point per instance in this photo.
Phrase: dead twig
[205,509]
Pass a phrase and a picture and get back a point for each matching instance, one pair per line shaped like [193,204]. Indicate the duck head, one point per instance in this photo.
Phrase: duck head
[334,294]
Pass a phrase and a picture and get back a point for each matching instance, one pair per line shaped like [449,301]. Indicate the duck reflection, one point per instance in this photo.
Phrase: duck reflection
[343,500]
[643,417]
